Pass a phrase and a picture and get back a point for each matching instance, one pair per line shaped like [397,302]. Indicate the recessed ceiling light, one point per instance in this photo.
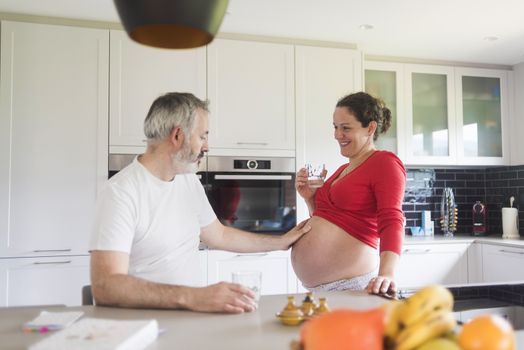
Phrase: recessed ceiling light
[366,26]
[491,38]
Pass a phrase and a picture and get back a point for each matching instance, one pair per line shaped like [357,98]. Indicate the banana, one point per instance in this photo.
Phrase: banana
[424,302]
[439,344]
[434,325]
[393,310]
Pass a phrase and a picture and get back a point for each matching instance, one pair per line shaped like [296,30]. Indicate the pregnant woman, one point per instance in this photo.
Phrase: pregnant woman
[356,216]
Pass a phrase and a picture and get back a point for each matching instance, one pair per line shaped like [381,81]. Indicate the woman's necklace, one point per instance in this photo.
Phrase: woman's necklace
[355,163]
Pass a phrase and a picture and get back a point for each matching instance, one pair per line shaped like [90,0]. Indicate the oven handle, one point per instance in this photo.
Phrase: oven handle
[253,177]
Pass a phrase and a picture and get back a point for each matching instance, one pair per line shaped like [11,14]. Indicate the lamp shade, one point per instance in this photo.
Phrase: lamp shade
[173,24]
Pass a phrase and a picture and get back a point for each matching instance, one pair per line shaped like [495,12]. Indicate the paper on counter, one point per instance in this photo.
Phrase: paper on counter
[51,321]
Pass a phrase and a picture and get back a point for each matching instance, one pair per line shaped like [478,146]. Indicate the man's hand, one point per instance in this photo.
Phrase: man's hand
[294,234]
[222,297]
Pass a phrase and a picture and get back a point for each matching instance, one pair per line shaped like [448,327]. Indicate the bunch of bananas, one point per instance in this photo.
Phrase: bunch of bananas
[421,318]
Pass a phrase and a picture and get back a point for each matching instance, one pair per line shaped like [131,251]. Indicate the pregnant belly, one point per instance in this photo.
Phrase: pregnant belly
[327,253]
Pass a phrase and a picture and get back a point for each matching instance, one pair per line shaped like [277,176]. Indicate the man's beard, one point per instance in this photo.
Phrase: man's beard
[186,161]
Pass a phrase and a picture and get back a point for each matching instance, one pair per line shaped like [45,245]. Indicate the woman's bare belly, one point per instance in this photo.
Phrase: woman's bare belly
[327,253]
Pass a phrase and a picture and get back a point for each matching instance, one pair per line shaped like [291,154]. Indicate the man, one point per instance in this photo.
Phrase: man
[144,250]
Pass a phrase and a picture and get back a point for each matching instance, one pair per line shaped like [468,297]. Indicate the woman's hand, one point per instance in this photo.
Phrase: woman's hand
[382,285]
[302,186]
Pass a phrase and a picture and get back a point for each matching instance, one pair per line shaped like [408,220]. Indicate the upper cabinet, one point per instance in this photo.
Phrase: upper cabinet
[447,115]
[138,75]
[386,80]
[430,115]
[53,136]
[251,93]
[482,116]
[323,76]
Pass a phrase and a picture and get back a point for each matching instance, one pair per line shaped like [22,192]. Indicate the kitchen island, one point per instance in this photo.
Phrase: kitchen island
[259,330]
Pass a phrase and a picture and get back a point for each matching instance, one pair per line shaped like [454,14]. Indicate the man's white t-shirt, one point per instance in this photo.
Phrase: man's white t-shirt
[156,222]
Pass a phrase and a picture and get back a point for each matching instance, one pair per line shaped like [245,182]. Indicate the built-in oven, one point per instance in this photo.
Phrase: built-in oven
[255,194]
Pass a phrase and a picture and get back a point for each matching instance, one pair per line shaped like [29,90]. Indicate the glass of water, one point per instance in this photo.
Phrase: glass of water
[315,176]
[249,279]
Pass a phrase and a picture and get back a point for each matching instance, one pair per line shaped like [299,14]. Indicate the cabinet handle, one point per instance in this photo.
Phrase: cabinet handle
[252,143]
[51,250]
[250,254]
[416,251]
[51,262]
[510,251]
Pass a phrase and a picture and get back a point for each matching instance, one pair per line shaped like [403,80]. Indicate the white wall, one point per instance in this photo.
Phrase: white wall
[517,136]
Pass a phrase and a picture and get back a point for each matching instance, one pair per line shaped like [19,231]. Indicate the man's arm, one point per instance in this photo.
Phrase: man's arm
[112,286]
[218,236]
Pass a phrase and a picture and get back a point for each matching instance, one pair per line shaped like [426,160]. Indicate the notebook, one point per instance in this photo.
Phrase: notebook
[101,334]
[52,321]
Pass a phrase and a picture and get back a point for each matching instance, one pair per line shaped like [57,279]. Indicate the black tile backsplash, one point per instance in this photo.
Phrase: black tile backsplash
[491,186]
[510,293]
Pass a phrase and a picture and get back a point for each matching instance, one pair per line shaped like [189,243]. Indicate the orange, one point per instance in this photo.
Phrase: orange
[487,332]
[344,329]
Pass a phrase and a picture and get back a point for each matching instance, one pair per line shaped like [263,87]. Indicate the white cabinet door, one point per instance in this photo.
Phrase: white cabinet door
[482,116]
[421,265]
[43,281]
[385,80]
[517,114]
[53,136]
[251,93]
[430,111]
[501,263]
[323,76]
[139,74]
[278,276]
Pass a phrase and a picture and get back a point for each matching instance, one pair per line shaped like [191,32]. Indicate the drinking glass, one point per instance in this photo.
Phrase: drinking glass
[249,279]
[315,176]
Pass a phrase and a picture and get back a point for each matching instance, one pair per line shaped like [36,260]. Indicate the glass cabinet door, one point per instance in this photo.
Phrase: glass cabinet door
[430,115]
[383,84]
[480,115]
[481,129]
[430,111]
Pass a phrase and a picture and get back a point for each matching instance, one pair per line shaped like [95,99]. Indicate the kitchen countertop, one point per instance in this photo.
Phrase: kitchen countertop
[492,239]
[193,330]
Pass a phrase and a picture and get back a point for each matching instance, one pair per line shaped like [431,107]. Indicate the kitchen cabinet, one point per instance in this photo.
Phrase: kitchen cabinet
[517,114]
[482,116]
[138,75]
[53,136]
[430,111]
[278,276]
[251,93]
[446,115]
[323,76]
[502,263]
[424,264]
[385,80]
[43,280]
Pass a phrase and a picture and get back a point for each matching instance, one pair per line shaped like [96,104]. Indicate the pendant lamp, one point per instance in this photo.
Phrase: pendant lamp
[172,24]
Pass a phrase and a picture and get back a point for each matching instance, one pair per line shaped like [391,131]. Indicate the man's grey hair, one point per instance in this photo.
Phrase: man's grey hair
[172,110]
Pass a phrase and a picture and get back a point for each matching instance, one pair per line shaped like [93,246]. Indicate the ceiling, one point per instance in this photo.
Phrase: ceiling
[448,30]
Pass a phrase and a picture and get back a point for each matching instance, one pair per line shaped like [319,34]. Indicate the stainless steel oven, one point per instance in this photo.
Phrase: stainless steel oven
[255,194]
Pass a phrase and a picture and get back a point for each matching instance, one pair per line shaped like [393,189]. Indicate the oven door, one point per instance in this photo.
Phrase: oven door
[259,202]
